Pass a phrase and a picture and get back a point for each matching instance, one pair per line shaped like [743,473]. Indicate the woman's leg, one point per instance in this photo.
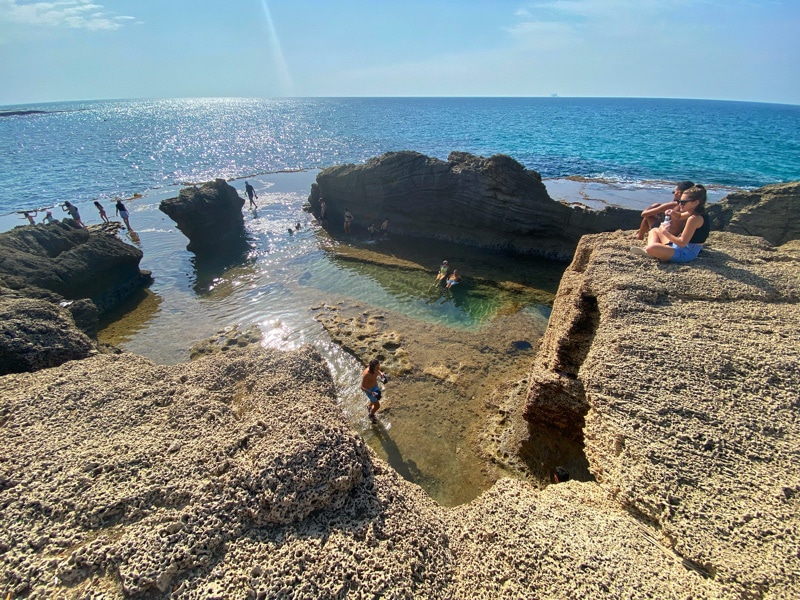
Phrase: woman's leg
[657,245]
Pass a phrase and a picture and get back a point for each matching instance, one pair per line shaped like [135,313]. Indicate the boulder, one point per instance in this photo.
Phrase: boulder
[683,380]
[769,212]
[209,215]
[72,263]
[36,334]
[56,281]
[489,202]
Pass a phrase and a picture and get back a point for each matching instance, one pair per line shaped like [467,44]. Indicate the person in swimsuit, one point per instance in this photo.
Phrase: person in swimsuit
[48,218]
[442,274]
[369,385]
[123,212]
[102,211]
[348,220]
[453,279]
[665,246]
[251,193]
[385,229]
[650,218]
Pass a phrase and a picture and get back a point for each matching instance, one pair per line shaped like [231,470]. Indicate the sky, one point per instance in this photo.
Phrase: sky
[103,49]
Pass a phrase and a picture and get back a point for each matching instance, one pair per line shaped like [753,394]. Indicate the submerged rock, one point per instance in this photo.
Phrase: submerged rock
[490,202]
[209,215]
[683,380]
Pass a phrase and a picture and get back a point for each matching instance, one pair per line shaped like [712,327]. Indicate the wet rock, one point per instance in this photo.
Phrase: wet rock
[489,202]
[227,339]
[366,336]
[209,215]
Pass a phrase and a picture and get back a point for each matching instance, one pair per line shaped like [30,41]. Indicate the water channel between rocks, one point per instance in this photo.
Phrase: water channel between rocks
[462,344]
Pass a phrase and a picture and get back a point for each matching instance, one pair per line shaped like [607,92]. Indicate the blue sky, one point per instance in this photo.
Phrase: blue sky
[87,49]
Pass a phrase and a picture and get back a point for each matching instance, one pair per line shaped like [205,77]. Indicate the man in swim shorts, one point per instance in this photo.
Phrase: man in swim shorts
[369,385]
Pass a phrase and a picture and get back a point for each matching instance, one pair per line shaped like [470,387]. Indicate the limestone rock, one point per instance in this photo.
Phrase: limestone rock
[209,215]
[36,334]
[490,202]
[227,339]
[687,378]
[769,212]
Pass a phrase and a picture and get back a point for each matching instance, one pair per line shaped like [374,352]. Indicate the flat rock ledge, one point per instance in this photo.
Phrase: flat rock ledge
[684,381]
[236,476]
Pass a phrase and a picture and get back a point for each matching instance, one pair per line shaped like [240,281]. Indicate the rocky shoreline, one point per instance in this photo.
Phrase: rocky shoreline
[236,475]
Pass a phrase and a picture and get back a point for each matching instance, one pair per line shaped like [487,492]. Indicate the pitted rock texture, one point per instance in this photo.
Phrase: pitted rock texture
[490,202]
[236,476]
[687,377]
[209,215]
[366,336]
[769,212]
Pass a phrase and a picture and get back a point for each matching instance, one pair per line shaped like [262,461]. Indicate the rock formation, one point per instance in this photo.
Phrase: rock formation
[769,212]
[490,202]
[236,476]
[209,215]
[56,280]
[684,381]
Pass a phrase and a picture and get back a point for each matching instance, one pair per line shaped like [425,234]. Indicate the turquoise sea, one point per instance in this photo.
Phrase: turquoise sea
[79,151]
[632,150]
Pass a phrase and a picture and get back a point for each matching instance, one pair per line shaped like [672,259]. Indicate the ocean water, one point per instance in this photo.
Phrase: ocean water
[80,151]
[634,148]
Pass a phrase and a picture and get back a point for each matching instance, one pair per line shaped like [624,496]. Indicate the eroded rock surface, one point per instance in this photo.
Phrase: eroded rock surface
[209,215]
[769,212]
[236,476]
[490,202]
[685,381]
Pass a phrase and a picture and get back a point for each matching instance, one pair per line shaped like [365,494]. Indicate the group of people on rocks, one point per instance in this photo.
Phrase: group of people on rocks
[676,230]
[75,215]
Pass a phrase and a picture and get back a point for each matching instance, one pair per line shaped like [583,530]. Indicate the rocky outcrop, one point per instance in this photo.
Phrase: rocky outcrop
[56,281]
[769,212]
[237,476]
[684,382]
[490,202]
[36,334]
[209,215]
[71,262]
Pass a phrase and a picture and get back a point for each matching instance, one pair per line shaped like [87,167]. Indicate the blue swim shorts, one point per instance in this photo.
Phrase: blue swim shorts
[685,254]
[374,394]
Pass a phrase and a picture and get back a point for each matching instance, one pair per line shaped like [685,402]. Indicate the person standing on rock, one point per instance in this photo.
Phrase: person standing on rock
[348,221]
[385,229]
[369,385]
[251,193]
[650,214]
[48,218]
[123,212]
[102,211]
[665,246]
[73,212]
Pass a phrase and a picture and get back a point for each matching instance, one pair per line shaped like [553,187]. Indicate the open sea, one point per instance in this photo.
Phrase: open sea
[600,151]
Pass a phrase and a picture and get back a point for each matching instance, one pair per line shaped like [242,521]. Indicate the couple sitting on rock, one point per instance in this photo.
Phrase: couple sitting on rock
[450,278]
[680,237]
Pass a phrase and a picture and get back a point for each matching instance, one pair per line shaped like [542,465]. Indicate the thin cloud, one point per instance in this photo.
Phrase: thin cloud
[72,14]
